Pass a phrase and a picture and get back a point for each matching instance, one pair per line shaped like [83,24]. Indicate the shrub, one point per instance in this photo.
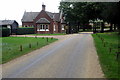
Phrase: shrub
[20,31]
[5,32]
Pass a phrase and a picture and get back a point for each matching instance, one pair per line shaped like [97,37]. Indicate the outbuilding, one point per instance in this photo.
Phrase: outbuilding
[11,24]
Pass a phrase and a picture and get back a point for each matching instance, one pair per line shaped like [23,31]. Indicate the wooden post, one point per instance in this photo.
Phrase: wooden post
[21,48]
[110,49]
[47,39]
[104,44]
[37,43]
[101,38]
[30,46]
[35,36]
[51,38]
[117,55]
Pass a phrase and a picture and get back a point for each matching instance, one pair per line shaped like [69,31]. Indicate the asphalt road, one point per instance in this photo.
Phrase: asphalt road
[74,56]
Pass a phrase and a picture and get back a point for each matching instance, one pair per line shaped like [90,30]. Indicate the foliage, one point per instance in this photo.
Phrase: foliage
[25,31]
[5,32]
[79,13]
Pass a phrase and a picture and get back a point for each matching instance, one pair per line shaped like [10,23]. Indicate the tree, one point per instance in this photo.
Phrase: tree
[78,14]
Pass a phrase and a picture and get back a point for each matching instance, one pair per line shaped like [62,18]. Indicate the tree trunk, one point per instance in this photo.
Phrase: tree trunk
[69,28]
[102,27]
[78,27]
[114,27]
[94,27]
[118,28]
[83,27]
[111,27]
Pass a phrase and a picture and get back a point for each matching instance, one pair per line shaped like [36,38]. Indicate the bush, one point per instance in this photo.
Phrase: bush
[5,32]
[20,31]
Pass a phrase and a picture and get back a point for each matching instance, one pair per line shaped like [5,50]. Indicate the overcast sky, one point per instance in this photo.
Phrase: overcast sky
[14,9]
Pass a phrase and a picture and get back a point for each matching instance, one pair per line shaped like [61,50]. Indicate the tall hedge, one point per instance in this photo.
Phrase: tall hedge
[4,32]
[21,31]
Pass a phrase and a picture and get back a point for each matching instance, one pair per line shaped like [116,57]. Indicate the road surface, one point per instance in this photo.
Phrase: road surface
[74,56]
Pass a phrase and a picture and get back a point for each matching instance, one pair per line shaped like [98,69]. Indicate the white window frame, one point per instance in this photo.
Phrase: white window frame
[41,28]
[47,28]
[63,28]
[54,27]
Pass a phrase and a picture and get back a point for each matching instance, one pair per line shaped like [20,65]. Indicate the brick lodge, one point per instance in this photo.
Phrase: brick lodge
[44,22]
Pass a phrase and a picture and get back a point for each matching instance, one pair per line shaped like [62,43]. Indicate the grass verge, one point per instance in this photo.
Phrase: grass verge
[107,46]
[13,47]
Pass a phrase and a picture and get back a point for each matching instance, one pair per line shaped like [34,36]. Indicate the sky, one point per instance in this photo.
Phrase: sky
[14,9]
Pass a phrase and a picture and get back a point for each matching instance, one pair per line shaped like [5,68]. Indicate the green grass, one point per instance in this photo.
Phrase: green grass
[11,46]
[108,60]
[49,34]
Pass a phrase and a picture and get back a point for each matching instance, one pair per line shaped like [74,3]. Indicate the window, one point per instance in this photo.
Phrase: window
[42,27]
[47,29]
[8,26]
[54,27]
[63,27]
[46,26]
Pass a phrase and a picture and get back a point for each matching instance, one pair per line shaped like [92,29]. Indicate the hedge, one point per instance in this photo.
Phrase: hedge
[20,31]
[5,32]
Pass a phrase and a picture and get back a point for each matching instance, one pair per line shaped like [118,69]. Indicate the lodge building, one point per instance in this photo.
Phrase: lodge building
[44,22]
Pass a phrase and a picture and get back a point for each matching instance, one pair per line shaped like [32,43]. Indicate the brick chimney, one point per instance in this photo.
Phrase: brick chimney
[43,7]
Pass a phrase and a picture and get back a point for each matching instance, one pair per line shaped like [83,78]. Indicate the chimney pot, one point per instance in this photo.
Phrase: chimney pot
[43,7]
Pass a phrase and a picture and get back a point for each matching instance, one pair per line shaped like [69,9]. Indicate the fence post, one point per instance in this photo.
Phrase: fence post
[37,43]
[117,55]
[51,38]
[104,44]
[110,49]
[30,46]
[35,36]
[21,48]
[47,39]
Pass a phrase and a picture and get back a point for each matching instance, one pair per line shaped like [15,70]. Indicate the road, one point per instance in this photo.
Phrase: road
[74,56]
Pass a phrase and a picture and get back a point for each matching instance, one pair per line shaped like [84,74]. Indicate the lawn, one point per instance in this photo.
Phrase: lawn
[49,34]
[107,46]
[13,47]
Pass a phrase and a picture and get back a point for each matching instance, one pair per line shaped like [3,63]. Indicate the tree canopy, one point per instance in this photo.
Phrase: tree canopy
[81,12]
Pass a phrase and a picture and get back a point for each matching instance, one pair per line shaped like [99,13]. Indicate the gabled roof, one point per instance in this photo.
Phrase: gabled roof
[43,20]
[56,16]
[29,16]
[7,22]
[49,14]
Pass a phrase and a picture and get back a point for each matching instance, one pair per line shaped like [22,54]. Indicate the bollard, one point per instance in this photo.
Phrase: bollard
[21,48]
[30,46]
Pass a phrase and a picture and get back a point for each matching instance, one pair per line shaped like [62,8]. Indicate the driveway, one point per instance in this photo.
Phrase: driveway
[72,56]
